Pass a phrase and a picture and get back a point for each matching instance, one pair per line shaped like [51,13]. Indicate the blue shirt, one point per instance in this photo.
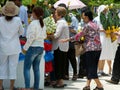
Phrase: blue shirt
[24,17]
[74,23]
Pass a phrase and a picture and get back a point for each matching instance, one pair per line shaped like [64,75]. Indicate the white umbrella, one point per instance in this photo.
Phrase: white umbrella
[71,4]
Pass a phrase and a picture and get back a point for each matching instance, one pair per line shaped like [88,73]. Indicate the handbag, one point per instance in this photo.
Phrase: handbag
[79,49]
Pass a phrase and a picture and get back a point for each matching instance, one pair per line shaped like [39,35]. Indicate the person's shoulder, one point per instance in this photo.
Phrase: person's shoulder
[1,17]
[34,22]
[17,18]
[61,20]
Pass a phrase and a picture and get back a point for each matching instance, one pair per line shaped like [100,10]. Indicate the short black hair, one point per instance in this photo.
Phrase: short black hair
[89,14]
[84,9]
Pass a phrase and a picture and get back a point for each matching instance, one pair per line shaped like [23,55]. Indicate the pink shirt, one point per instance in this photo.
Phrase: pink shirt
[92,37]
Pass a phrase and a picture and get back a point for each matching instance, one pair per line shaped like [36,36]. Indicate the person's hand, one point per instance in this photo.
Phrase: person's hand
[51,36]
[102,31]
[63,40]
[73,31]
[23,51]
[116,33]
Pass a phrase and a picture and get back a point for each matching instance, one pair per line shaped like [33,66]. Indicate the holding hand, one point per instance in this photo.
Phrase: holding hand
[23,51]
[51,36]
[64,40]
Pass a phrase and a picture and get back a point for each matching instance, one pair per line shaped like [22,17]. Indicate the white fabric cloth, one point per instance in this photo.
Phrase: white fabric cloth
[9,46]
[62,32]
[35,35]
[107,46]
[8,66]
[100,9]
[9,35]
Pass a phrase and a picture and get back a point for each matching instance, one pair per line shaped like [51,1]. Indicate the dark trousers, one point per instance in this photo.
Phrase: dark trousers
[92,58]
[72,58]
[52,74]
[82,69]
[59,60]
[116,66]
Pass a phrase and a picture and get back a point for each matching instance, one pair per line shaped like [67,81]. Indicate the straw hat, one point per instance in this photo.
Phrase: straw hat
[10,9]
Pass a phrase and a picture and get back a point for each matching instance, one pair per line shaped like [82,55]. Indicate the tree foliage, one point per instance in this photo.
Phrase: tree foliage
[99,2]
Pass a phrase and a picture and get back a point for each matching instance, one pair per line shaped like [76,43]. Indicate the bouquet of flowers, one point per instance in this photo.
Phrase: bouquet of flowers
[111,22]
[79,37]
[50,25]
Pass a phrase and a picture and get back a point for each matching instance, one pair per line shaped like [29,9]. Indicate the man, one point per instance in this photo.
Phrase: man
[74,22]
[22,14]
[71,51]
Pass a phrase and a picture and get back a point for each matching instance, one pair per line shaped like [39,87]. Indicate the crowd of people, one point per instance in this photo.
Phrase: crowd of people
[14,25]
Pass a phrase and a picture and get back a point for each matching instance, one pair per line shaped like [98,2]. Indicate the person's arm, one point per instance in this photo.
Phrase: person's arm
[30,37]
[66,39]
[76,37]
[73,31]
[58,32]
[117,33]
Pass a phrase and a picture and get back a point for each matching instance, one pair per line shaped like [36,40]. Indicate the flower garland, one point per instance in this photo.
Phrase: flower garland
[110,22]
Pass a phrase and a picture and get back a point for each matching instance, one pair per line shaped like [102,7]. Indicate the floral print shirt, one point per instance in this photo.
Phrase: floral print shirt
[92,37]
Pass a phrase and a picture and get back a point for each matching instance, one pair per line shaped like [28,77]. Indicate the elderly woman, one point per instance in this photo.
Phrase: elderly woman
[60,49]
[10,30]
[92,46]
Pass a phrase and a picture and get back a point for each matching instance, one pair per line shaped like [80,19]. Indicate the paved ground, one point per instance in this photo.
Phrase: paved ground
[79,84]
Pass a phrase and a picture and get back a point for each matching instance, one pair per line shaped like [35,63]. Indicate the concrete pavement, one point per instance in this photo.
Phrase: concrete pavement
[80,83]
[71,85]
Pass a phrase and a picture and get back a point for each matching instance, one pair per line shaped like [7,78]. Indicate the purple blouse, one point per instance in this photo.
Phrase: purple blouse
[92,37]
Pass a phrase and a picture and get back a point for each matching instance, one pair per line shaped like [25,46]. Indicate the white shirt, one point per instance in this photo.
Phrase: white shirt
[62,32]
[35,35]
[9,35]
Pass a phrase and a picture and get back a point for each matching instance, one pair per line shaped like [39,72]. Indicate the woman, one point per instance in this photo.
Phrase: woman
[10,30]
[107,53]
[92,49]
[60,49]
[36,33]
